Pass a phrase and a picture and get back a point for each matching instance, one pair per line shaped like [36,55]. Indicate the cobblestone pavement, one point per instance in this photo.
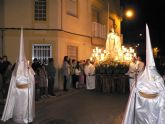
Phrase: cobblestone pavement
[80,107]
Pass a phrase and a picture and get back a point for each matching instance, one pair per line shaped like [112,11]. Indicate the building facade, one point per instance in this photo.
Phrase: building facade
[55,28]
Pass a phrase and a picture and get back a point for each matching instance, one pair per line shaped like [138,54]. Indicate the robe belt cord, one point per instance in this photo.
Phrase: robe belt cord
[149,96]
[22,86]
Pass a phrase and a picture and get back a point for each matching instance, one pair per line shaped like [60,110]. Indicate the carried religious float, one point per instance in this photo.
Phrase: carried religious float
[112,64]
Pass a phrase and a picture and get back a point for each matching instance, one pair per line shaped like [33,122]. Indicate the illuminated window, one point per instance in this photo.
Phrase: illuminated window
[72,52]
[40,10]
[72,7]
[42,52]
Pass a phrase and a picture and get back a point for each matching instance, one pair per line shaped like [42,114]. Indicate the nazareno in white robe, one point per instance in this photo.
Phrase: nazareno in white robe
[20,99]
[146,104]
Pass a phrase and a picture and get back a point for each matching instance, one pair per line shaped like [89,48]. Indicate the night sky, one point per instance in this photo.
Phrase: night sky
[147,11]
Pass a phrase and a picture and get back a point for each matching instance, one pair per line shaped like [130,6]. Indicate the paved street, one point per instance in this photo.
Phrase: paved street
[80,107]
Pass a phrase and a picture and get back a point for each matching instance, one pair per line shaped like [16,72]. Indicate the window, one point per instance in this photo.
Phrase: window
[73,52]
[40,10]
[42,52]
[95,15]
[72,7]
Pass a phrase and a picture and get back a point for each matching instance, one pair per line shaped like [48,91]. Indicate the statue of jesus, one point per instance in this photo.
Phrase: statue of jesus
[113,43]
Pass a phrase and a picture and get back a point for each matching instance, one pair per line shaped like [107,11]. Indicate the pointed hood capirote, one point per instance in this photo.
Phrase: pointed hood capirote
[149,54]
[21,50]
[22,65]
[150,79]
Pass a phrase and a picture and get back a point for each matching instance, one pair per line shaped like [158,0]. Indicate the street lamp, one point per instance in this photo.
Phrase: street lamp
[129,13]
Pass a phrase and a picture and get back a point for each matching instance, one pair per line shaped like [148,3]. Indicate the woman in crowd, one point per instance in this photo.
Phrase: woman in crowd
[81,77]
[37,85]
[74,63]
[66,72]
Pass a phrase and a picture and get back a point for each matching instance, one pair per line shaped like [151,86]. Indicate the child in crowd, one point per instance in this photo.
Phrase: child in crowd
[43,81]
[77,74]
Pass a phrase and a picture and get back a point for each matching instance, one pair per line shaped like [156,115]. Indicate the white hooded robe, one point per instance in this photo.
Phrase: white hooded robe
[146,104]
[20,100]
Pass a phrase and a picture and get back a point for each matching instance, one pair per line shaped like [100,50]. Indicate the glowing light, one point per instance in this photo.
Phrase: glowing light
[129,13]
[123,55]
[28,62]
[155,51]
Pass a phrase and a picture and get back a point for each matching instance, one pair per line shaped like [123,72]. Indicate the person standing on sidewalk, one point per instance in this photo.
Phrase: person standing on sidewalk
[51,71]
[66,72]
[90,75]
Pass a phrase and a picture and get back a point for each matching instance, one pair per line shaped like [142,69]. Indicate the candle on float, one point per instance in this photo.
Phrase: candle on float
[28,62]
[101,59]
[99,50]
[130,55]
[125,50]
[116,58]
[96,54]
[122,47]
[134,55]
[126,54]
[133,50]
[102,54]
[91,58]
[120,54]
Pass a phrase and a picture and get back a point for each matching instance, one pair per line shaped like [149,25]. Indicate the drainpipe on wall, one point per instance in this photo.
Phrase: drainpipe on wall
[61,13]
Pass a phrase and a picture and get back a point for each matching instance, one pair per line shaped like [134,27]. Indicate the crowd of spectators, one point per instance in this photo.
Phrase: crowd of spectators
[44,78]
[76,74]
[73,72]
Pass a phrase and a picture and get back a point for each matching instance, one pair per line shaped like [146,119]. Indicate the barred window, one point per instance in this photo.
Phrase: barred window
[72,7]
[42,52]
[40,10]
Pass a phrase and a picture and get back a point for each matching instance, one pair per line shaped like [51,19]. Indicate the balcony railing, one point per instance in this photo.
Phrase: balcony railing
[99,30]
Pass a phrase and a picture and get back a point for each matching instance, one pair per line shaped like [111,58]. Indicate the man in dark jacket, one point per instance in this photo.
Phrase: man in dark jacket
[51,70]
